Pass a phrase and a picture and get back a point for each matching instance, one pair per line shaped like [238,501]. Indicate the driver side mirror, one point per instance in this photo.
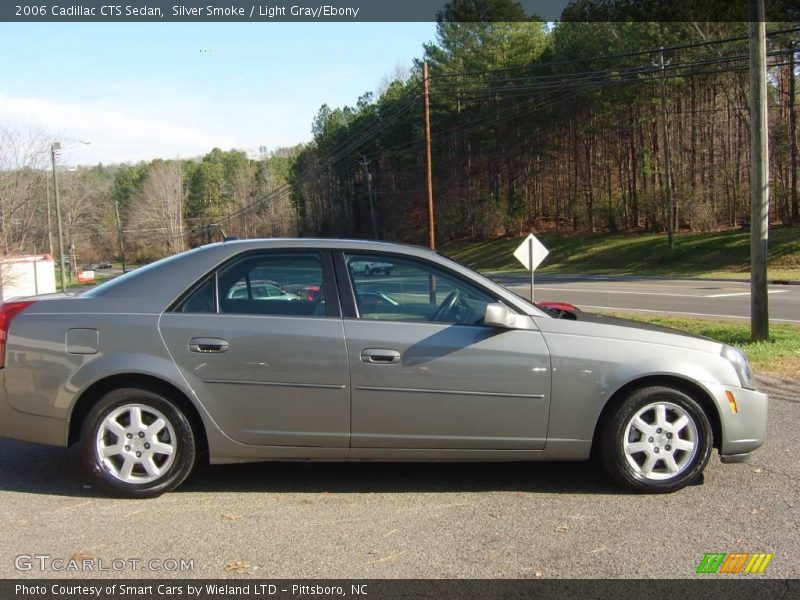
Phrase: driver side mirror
[498,315]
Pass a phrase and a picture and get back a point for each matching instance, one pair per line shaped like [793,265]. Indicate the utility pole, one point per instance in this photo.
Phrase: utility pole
[667,156]
[759,175]
[426,97]
[49,219]
[56,146]
[119,235]
[368,178]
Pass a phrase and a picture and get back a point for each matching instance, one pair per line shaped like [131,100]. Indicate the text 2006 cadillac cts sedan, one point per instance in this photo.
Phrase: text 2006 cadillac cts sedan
[281,350]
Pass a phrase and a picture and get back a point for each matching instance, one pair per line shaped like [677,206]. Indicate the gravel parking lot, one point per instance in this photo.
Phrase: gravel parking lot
[363,520]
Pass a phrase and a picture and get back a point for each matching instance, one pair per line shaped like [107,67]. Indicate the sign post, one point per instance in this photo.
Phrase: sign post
[531,252]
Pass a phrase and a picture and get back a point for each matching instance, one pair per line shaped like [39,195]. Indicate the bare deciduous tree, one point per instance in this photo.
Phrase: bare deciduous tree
[23,177]
[160,207]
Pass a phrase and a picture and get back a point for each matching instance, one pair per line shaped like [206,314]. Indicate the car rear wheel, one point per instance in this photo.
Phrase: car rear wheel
[658,439]
[136,443]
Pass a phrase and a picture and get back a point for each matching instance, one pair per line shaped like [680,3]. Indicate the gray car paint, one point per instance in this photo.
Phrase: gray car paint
[283,382]
[574,368]
[455,387]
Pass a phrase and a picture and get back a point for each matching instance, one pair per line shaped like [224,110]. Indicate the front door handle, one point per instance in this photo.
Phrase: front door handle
[207,345]
[380,356]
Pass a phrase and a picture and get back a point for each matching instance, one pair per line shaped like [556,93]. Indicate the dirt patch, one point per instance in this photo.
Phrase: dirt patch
[779,388]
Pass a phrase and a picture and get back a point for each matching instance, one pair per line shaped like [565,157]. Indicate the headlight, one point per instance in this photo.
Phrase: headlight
[739,362]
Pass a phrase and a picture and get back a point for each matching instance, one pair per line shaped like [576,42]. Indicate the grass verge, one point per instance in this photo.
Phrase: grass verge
[709,255]
[779,356]
[97,281]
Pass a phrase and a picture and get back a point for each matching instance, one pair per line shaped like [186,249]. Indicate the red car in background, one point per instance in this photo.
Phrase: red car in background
[563,309]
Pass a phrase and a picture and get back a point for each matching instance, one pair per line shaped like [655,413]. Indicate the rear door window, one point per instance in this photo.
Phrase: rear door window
[285,284]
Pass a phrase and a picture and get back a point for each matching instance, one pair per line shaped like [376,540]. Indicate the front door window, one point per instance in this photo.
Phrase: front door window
[396,289]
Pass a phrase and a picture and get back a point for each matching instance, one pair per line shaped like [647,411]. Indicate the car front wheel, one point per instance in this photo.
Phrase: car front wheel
[136,443]
[658,439]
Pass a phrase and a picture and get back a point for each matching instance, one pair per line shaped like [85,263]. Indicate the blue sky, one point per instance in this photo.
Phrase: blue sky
[139,91]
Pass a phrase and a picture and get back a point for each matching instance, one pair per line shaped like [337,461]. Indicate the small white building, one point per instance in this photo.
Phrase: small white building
[27,276]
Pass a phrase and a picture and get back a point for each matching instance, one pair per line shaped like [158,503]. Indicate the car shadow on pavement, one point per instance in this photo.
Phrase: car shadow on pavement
[399,477]
[35,469]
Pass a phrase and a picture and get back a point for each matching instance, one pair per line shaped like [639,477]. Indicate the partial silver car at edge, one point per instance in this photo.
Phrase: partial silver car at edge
[185,360]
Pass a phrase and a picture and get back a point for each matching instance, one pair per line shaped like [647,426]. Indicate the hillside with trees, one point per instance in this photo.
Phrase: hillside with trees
[558,129]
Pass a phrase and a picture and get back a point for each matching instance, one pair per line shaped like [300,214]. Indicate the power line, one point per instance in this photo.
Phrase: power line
[601,57]
[612,76]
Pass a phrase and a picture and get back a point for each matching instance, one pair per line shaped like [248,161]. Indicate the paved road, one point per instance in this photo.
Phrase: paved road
[412,520]
[710,298]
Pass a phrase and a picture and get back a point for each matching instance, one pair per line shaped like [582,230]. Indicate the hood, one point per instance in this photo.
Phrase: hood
[602,326]
[618,322]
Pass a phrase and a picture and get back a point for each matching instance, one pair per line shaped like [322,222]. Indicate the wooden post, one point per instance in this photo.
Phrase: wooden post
[759,175]
[426,97]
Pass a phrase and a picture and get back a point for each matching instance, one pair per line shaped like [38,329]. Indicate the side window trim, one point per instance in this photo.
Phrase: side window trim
[191,290]
[332,305]
[215,290]
[346,296]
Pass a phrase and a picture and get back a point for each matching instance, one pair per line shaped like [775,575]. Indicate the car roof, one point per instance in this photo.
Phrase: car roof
[328,243]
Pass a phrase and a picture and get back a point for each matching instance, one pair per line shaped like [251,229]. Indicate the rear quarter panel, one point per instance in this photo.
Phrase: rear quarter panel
[43,378]
[43,381]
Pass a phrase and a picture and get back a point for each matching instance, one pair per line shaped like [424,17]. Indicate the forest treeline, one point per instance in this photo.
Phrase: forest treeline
[156,208]
[533,127]
[555,128]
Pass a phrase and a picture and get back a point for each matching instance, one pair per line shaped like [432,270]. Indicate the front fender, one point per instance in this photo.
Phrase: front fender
[587,372]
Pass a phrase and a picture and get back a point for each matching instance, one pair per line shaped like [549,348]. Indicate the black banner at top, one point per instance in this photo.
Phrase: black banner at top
[388,10]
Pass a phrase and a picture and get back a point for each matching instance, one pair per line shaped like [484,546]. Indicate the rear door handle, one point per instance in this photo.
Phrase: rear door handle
[380,356]
[207,345]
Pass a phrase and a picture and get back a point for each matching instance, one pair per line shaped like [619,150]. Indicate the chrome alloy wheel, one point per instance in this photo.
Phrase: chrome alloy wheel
[137,443]
[660,441]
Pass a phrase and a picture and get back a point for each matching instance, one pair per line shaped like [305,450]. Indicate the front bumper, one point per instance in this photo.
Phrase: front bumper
[746,429]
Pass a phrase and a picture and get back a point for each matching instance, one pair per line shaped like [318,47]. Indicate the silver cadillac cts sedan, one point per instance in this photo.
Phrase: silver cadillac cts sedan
[283,350]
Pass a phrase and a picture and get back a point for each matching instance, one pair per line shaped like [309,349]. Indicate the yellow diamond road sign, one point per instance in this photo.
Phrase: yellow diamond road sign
[531,252]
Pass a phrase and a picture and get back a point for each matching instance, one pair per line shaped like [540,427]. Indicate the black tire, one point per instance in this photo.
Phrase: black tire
[177,433]
[633,470]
